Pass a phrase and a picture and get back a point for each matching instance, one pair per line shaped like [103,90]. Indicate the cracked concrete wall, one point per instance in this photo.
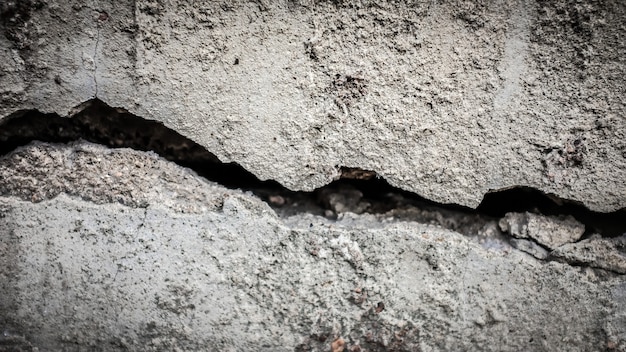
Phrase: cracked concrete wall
[115,249]
[186,264]
[446,99]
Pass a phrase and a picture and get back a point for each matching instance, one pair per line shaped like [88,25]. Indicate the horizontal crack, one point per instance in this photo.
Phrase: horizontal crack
[357,191]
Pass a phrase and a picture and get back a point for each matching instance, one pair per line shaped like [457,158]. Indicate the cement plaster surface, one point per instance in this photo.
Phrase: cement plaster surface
[162,273]
[447,99]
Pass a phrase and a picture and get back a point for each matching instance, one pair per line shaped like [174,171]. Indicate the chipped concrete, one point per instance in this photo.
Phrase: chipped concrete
[91,172]
[530,247]
[597,252]
[549,231]
[446,99]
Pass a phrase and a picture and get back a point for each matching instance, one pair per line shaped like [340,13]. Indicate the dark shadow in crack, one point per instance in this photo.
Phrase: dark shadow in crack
[358,191]
[99,123]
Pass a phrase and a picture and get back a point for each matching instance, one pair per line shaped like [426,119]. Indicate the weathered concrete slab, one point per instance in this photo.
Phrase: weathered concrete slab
[163,274]
[447,99]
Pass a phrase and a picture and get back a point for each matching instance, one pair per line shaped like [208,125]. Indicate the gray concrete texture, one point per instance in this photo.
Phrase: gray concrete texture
[114,249]
[193,266]
[448,99]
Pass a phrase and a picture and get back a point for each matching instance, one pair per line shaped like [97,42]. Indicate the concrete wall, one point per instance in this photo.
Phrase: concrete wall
[115,249]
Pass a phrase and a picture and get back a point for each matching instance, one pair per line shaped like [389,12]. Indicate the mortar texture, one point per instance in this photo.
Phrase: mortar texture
[82,269]
[448,99]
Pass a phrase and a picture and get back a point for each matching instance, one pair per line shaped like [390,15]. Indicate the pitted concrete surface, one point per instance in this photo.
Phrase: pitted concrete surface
[115,249]
[159,273]
[446,99]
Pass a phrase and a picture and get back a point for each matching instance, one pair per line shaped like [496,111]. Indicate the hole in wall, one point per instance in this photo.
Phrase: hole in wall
[358,191]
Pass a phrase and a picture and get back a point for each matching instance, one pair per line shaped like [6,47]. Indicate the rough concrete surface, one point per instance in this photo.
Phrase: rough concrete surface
[609,254]
[116,249]
[93,271]
[448,99]
[100,175]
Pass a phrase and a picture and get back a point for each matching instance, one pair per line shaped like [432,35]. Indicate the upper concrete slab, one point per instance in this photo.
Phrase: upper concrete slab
[449,100]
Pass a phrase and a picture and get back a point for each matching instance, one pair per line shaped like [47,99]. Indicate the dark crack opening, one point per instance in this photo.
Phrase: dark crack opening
[358,191]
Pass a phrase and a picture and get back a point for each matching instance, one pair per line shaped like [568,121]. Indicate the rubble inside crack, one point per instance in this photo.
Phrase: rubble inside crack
[596,252]
[549,231]
[530,247]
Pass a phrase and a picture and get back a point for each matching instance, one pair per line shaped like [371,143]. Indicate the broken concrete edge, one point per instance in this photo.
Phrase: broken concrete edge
[40,171]
[59,176]
[560,238]
[549,231]
[596,252]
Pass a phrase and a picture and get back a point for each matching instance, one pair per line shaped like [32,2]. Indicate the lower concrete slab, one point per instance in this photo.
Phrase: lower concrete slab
[154,275]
